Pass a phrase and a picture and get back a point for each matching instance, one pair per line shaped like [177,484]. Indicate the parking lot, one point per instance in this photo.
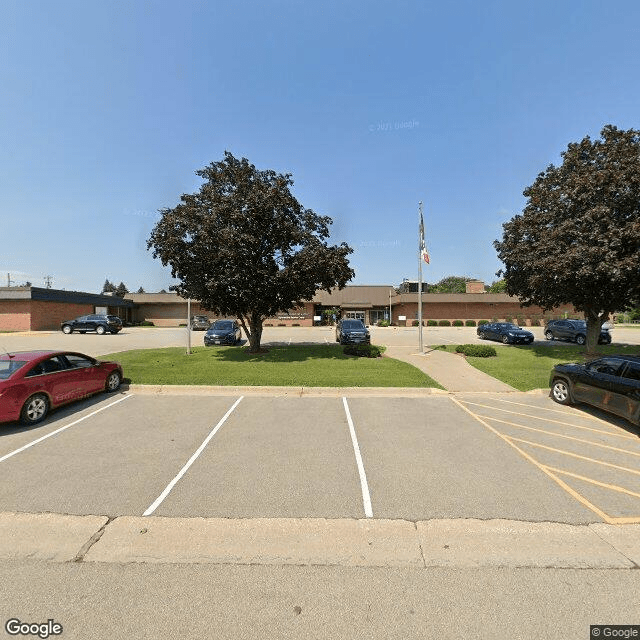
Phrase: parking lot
[154,338]
[519,457]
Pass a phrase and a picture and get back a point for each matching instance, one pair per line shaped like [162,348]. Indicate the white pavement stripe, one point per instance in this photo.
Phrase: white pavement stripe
[366,498]
[191,460]
[53,433]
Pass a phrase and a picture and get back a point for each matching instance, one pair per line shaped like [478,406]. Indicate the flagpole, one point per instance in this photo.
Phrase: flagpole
[421,241]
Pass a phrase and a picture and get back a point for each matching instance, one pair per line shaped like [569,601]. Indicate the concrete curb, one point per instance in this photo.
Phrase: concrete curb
[329,392]
[464,543]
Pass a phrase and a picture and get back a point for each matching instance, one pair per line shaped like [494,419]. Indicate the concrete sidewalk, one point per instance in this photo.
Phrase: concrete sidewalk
[451,370]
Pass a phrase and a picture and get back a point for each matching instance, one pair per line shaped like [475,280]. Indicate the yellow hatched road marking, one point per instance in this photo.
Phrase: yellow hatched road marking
[559,435]
[613,487]
[566,424]
[575,455]
[571,410]
[582,500]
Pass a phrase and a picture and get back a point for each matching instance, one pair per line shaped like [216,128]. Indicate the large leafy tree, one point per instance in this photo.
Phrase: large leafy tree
[243,246]
[450,284]
[578,238]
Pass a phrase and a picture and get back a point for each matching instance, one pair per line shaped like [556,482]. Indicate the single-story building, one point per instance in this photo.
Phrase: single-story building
[34,308]
[37,309]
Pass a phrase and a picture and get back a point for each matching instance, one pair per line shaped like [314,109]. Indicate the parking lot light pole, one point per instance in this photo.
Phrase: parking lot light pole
[189,326]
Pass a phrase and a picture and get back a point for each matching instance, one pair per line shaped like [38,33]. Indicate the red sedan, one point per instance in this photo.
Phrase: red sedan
[32,382]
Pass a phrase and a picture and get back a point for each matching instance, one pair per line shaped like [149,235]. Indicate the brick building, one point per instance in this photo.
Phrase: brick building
[37,309]
[34,308]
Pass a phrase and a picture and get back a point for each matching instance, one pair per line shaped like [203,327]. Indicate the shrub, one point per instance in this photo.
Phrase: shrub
[457,323]
[444,323]
[295,324]
[470,323]
[481,322]
[476,350]
[432,323]
[383,323]
[363,350]
[415,323]
[182,324]
[535,322]
[282,324]
[508,319]
[147,323]
[268,324]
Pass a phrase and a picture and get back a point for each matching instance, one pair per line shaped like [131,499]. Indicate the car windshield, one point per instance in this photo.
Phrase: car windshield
[223,324]
[508,325]
[7,367]
[353,325]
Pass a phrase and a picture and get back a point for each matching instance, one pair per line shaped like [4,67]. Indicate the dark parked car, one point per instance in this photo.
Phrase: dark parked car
[223,332]
[99,323]
[574,330]
[611,383]
[200,323]
[350,331]
[504,332]
[32,382]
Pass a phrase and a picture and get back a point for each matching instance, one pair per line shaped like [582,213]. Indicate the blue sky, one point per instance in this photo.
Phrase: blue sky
[108,108]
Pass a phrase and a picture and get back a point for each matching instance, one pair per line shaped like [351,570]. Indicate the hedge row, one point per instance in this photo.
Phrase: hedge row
[476,350]
[363,350]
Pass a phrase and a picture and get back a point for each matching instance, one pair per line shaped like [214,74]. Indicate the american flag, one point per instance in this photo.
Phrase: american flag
[424,254]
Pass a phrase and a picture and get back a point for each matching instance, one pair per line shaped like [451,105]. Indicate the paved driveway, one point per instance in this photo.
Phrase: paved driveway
[151,338]
[471,456]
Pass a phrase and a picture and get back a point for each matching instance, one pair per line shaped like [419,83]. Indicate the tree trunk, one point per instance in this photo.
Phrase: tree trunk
[255,332]
[595,321]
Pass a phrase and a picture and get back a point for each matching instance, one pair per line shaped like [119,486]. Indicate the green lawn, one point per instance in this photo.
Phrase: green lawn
[294,365]
[528,367]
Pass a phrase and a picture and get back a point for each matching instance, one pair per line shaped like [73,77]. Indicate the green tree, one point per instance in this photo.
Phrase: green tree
[108,287]
[243,246]
[498,286]
[121,290]
[576,240]
[450,284]
[140,290]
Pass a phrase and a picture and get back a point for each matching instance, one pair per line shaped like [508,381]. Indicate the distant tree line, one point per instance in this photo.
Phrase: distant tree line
[121,290]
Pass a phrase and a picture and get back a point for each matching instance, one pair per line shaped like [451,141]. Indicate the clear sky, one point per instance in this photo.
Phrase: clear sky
[108,108]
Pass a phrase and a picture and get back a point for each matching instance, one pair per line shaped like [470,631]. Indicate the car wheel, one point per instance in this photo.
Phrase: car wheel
[481,335]
[67,329]
[113,381]
[560,392]
[580,339]
[505,339]
[35,409]
[548,335]
[100,330]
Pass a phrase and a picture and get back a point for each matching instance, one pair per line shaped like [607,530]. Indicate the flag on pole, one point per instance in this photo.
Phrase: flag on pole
[424,254]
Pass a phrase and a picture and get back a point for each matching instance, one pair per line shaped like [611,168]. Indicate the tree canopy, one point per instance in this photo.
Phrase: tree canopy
[243,246]
[450,284]
[577,239]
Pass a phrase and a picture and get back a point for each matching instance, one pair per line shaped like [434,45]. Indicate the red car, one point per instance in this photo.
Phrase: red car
[32,382]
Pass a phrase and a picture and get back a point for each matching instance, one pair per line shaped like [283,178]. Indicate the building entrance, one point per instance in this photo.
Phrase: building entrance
[354,315]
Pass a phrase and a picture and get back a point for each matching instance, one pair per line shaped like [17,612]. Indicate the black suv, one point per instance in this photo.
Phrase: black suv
[101,324]
[223,332]
[574,330]
[350,331]
[611,383]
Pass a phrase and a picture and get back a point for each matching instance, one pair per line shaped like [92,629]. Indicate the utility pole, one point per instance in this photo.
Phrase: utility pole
[47,281]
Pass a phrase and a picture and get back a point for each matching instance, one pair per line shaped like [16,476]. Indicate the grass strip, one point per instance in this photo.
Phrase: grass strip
[292,365]
[527,367]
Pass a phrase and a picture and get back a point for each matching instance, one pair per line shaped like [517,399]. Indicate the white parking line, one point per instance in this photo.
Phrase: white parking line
[53,433]
[366,498]
[191,460]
